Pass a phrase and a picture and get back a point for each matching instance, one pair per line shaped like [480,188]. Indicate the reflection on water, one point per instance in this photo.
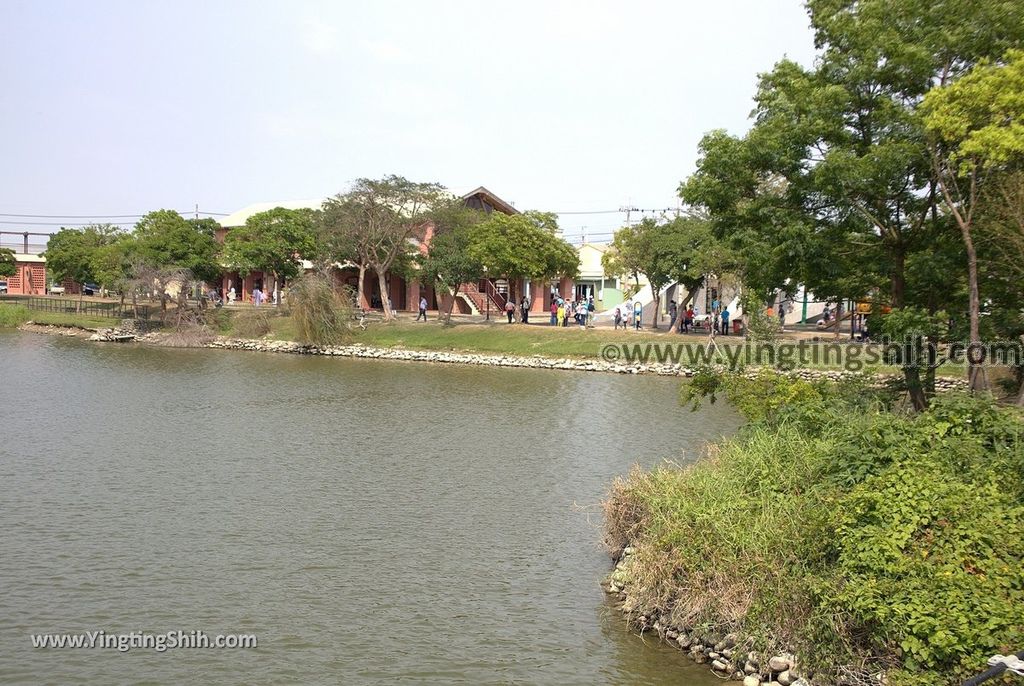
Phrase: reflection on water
[370,521]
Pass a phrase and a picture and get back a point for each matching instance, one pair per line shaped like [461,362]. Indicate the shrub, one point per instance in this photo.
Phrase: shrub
[857,535]
[322,314]
[252,322]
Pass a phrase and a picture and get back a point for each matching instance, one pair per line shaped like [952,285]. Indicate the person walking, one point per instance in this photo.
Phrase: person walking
[524,310]
[673,310]
[554,312]
[423,309]
[510,310]
[725,321]
[618,317]
[688,322]
[257,297]
[638,315]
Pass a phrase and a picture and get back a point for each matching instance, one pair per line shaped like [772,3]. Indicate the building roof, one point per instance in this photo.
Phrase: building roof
[492,199]
[28,257]
[238,217]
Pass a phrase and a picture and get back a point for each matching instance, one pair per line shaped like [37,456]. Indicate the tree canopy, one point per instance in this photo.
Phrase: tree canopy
[7,263]
[275,242]
[523,246]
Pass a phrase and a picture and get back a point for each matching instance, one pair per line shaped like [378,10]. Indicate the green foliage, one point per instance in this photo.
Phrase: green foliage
[81,255]
[166,240]
[7,264]
[322,315]
[13,315]
[274,241]
[681,250]
[850,532]
[980,117]
[451,260]
[759,326]
[706,382]
[523,245]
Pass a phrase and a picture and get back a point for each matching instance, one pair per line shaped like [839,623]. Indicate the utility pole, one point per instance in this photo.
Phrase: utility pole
[197,210]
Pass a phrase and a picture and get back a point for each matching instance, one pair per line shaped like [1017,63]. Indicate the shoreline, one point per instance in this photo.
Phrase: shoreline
[727,655]
[362,351]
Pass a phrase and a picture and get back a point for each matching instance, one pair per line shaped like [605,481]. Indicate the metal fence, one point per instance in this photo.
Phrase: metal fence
[92,308]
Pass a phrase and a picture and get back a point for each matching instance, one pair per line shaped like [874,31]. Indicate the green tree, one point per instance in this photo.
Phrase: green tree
[450,261]
[682,250]
[523,246]
[275,241]
[976,127]
[75,254]
[374,225]
[164,239]
[833,186]
[7,264]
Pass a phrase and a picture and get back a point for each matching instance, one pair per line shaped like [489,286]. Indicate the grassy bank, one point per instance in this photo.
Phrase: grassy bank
[835,526]
[517,339]
[12,316]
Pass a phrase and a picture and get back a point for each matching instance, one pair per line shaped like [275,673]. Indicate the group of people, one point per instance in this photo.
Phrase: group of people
[582,311]
[628,315]
[523,307]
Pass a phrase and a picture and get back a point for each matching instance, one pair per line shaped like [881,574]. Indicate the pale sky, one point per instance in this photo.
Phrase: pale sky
[125,107]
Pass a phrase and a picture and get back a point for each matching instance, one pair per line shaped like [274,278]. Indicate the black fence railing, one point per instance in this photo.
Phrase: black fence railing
[92,308]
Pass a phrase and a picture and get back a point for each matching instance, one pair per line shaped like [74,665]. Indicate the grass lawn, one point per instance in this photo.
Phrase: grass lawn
[556,342]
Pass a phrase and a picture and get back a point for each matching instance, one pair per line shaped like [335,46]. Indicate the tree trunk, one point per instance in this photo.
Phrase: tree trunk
[975,373]
[385,301]
[359,287]
[81,297]
[451,305]
[685,305]
[657,307]
[899,276]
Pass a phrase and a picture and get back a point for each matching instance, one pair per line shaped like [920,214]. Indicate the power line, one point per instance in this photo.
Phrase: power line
[101,216]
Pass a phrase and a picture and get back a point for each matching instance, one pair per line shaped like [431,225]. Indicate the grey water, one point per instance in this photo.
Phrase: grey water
[370,522]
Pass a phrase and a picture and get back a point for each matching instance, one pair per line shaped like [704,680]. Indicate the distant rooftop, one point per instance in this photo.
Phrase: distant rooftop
[480,197]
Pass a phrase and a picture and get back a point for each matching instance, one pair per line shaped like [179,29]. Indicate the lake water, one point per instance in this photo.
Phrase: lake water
[371,522]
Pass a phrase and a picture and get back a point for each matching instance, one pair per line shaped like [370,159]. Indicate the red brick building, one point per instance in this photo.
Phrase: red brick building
[404,294]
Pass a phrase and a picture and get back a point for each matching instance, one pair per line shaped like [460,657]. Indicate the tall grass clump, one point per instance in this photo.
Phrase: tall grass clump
[868,540]
[322,314]
[13,315]
[252,322]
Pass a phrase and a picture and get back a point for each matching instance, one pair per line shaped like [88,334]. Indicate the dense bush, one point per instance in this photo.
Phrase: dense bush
[832,524]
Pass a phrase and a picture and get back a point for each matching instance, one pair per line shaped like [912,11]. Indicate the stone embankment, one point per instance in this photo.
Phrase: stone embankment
[728,656]
[127,332]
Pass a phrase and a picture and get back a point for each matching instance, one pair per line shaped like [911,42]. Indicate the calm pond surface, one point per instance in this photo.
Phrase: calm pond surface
[371,522]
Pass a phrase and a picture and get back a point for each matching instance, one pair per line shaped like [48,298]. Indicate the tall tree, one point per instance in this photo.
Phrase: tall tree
[833,186]
[976,127]
[682,250]
[275,241]
[377,220]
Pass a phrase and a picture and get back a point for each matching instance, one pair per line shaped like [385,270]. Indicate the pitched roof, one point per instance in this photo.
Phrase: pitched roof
[492,199]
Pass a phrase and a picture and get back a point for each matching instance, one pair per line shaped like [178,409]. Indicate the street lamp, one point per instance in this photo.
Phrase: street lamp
[487,295]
